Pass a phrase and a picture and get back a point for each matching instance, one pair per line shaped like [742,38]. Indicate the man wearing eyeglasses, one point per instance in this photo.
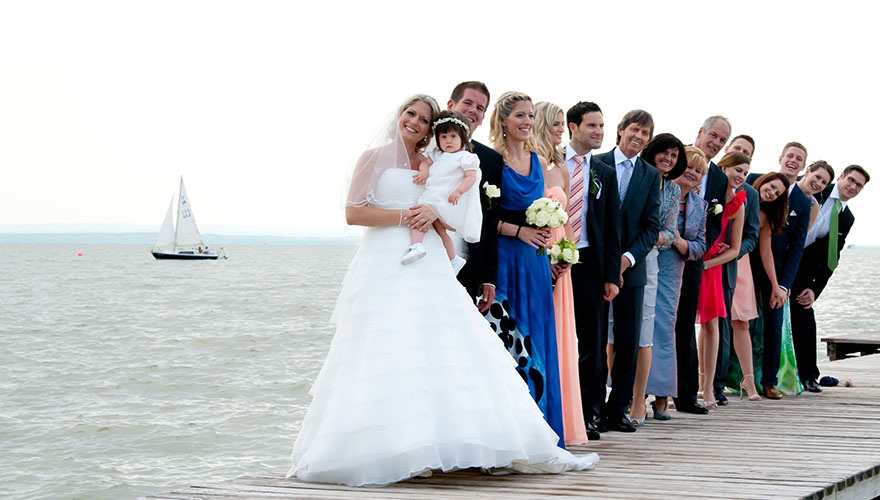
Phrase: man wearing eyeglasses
[822,247]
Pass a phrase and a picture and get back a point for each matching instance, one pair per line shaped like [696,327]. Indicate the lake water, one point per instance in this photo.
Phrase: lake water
[124,376]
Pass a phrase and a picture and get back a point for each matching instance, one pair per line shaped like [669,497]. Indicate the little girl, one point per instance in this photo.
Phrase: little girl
[450,189]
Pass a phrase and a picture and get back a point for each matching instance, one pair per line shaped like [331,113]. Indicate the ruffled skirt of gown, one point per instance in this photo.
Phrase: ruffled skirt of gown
[415,379]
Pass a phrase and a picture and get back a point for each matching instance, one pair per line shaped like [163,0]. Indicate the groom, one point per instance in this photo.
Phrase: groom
[478,276]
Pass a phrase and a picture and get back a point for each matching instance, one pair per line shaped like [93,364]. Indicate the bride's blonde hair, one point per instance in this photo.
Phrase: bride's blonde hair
[503,107]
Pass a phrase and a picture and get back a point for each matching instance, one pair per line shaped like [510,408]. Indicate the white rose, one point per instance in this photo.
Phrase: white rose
[577,256]
[554,221]
[541,219]
[492,191]
[554,251]
[717,209]
[567,255]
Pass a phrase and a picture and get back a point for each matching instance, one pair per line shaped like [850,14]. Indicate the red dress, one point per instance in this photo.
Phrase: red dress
[711,302]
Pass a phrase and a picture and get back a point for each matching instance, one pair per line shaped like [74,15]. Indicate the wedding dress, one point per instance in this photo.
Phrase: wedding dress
[415,378]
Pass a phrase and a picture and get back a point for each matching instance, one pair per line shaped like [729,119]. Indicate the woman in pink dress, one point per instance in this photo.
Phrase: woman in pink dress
[549,127]
[711,300]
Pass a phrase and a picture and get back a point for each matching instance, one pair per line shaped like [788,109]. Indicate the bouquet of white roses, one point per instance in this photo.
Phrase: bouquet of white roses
[545,212]
[564,251]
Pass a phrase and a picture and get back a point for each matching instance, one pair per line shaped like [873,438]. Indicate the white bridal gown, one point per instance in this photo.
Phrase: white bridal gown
[415,378]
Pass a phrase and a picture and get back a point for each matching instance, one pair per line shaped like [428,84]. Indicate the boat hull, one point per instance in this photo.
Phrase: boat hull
[185,256]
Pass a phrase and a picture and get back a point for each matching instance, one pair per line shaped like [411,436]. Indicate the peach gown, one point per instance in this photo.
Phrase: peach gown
[566,341]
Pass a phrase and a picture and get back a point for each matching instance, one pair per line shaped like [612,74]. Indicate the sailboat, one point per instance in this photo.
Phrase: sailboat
[183,242]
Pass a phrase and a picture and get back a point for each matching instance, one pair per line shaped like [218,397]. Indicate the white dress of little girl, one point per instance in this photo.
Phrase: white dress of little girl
[445,175]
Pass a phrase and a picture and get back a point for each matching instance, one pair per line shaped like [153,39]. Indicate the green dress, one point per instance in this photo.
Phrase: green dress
[789,382]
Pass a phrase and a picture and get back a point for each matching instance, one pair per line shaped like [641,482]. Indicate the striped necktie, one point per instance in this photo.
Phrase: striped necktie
[576,200]
[832,235]
[624,180]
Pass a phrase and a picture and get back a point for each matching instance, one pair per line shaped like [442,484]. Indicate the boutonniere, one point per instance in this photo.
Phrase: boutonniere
[595,184]
[492,191]
[715,208]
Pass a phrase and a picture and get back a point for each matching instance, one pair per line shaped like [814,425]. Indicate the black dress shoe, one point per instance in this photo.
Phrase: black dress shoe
[812,386]
[620,424]
[599,424]
[592,432]
[691,407]
[720,399]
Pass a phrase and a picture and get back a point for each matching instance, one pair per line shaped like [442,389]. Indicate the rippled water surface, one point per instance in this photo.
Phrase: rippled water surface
[124,376]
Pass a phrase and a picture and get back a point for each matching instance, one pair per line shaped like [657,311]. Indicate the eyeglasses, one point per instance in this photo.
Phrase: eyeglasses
[856,183]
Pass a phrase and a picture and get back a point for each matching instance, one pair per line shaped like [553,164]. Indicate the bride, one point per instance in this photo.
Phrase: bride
[415,379]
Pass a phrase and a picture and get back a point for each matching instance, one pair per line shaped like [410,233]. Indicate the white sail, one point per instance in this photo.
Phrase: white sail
[165,239]
[187,233]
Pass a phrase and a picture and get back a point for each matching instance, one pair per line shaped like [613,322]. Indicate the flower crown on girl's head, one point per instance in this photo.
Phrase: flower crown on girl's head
[453,120]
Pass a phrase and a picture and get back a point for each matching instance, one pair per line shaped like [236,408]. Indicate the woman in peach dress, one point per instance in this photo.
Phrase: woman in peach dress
[549,127]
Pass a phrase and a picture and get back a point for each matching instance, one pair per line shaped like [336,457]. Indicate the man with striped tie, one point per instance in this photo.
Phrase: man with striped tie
[825,239]
[595,221]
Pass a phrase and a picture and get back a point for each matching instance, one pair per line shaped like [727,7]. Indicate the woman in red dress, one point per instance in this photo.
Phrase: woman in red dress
[711,302]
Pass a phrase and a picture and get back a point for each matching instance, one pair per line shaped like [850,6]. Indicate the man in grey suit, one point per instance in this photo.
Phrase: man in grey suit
[746,145]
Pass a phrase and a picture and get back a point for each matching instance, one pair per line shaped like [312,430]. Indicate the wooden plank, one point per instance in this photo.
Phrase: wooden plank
[841,346]
[816,446]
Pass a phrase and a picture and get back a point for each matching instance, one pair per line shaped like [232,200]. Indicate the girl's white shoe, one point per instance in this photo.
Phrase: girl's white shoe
[415,252]
[457,263]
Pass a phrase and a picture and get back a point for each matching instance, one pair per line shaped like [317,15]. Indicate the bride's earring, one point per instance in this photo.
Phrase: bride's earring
[503,132]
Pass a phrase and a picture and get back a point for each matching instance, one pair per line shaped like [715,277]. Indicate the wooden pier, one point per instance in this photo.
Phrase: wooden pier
[841,346]
[812,446]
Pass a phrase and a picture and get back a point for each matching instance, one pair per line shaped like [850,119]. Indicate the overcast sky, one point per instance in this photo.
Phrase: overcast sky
[263,106]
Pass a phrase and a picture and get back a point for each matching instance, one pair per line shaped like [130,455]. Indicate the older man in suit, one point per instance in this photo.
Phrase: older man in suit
[746,145]
[478,275]
[788,247]
[639,200]
[825,239]
[711,137]
[595,222]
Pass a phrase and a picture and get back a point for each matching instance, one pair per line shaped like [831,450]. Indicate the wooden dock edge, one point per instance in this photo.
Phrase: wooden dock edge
[812,446]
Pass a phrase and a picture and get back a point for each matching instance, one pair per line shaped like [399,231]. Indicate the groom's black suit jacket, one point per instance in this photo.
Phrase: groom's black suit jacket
[603,219]
[482,262]
[813,272]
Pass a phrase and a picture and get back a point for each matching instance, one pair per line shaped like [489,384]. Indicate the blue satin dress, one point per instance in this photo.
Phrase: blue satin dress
[525,287]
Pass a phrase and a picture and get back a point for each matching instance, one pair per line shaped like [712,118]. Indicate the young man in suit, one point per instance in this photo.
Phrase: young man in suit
[478,275]
[787,250]
[746,145]
[595,222]
[821,254]
[639,204]
[711,137]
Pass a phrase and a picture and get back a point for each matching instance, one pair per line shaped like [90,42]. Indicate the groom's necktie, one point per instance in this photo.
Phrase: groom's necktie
[576,200]
[832,235]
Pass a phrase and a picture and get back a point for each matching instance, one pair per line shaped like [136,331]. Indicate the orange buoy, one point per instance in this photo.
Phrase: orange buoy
[79,254]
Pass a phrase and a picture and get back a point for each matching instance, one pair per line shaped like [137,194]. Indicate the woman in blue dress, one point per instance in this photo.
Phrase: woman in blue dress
[524,286]
[689,243]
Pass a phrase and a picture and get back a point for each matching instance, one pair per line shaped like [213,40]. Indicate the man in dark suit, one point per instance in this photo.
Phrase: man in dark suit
[639,200]
[595,222]
[478,275]
[746,145]
[787,250]
[710,139]
[818,263]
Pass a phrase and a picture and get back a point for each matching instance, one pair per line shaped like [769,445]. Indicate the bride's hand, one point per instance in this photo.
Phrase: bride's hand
[534,237]
[420,217]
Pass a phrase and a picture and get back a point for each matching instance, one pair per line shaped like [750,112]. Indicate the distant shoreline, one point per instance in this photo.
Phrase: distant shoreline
[148,239]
